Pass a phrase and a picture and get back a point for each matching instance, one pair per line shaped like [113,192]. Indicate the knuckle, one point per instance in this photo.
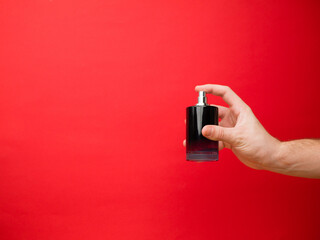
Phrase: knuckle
[245,109]
[227,89]
[248,108]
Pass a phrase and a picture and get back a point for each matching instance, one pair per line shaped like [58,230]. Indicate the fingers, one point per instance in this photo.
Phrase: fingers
[225,92]
[218,133]
[222,110]
[184,143]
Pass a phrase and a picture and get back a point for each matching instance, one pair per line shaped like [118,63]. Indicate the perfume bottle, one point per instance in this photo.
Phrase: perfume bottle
[199,148]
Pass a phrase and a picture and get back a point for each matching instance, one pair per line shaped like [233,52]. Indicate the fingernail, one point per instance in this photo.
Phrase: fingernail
[208,131]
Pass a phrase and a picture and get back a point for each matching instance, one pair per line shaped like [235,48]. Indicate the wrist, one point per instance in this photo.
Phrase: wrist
[281,162]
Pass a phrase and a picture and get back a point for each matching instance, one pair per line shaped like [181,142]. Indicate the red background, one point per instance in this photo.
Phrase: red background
[92,106]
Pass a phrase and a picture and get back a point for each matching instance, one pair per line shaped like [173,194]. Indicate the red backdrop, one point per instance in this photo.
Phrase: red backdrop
[92,106]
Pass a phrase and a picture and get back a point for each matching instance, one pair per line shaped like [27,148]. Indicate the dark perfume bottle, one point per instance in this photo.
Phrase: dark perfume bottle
[198,147]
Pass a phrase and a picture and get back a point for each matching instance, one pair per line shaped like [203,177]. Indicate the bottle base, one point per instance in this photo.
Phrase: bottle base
[200,156]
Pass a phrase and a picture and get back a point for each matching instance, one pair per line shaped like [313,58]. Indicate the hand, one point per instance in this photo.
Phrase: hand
[240,131]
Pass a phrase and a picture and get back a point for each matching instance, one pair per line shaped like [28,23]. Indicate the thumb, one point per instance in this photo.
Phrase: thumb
[217,133]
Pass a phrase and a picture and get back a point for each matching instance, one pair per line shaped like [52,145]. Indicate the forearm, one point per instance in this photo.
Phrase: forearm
[299,158]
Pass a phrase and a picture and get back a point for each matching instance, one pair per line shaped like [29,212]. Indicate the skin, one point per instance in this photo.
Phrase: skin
[241,132]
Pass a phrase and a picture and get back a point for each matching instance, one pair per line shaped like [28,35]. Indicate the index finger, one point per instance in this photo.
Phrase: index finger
[229,96]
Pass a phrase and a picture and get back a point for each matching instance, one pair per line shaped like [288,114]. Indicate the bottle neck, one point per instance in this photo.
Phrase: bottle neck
[202,99]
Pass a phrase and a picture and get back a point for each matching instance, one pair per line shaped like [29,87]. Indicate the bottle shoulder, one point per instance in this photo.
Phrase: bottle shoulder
[207,106]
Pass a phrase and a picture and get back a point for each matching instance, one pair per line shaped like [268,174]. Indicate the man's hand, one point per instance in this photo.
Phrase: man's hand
[240,131]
